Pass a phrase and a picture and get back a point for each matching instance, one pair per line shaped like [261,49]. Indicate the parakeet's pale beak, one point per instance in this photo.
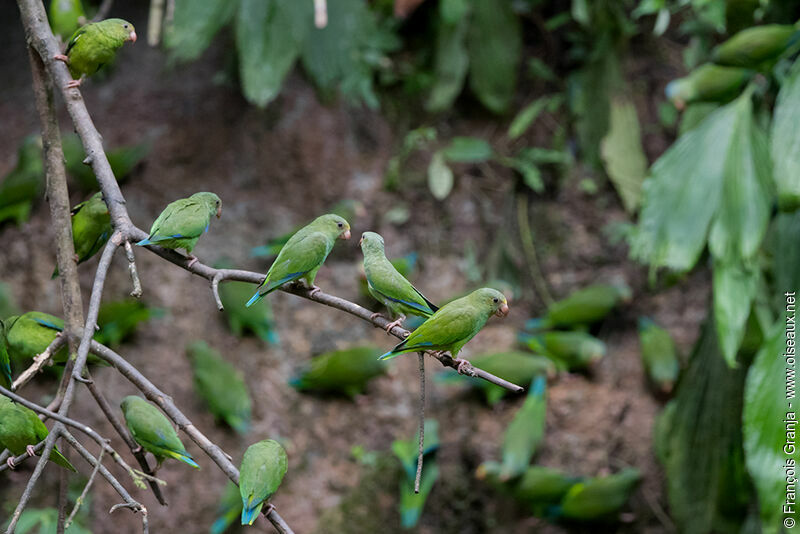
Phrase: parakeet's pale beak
[360,241]
[219,212]
[345,235]
[502,311]
[132,37]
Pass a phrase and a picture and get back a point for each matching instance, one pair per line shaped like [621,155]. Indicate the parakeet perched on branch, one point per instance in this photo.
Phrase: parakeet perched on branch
[708,83]
[303,255]
[24,184]
[756,47]
[454,324]
[182,223]
[221,386]
[263,466]
[66,16]
[21,430]
[91,228]
[94,45]
[153,431]
[30,334]
[388,286]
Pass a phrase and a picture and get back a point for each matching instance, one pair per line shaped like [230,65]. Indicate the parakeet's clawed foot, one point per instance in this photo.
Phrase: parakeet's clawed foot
[30,450]
[72,84]
[10,463]
[268,510]
[192,260]
[76,258]
[61,57]
[375,316]
[314,291]
[137,450]
[398,322]
[464,367]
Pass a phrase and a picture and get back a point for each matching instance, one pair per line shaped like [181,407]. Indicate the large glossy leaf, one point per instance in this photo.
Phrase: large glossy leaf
[786,141]
[785,259]
[682,193]
[450,57]
[195,24]
[495,46]
[765,409]
[269,35]
[623,154]
[734,286]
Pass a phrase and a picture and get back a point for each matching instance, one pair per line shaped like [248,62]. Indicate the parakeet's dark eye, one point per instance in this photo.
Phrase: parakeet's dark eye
[495,300]
[125,26]
[340,225]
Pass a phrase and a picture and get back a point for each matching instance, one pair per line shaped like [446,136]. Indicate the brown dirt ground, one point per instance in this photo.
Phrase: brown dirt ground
[279,167]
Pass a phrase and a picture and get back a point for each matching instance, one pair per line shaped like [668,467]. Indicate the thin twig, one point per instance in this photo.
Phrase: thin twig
[63,487]
[17,460]
[421,420]
[526,236]
[137,284]
[86,488]
[39,362]
[215,290]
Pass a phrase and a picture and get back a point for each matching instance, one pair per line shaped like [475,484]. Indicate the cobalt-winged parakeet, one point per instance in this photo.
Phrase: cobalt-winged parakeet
[584,306]
[21,430]
[454,324]
[5,361]
[257,319]
[756,47]
[538,487]
[123,160]
[303,255]
[263,466]
[182,223]
[229,509]
[343,371]
[119,319]
[91,228]
[30,334]
[66,16]
[24,184]
[573,350]
[525,432]
[153,431]
[600,497]
[388,286]
[94,45]
[221,386]
[659,355]
[708,83]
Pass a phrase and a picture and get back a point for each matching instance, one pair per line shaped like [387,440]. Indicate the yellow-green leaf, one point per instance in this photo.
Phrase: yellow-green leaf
[622,153]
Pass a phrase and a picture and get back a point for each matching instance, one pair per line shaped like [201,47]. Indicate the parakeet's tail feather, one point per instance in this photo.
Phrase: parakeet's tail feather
[539,323]
[239,424]
[389,355]
[255,298]
[144,242]
[219,526]
[183,457]
[249,513]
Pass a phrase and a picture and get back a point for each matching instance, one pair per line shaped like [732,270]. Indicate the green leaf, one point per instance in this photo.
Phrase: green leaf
[539,70]
[467,150]
[580,12]
[786,141]
[495,47]
[544,156]
[694,114]
[194,25]
[440,177]
[531,174]
[528,115]
[734,287]
[623,154]
[683,192]
[269,34]
[765,409]
[450,61]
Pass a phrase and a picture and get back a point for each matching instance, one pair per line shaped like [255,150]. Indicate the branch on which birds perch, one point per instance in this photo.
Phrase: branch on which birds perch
[39,362]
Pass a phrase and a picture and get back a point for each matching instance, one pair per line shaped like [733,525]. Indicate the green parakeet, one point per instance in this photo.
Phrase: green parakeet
[8,304]
[153,431]
[584,306]
[600,497]
[21,430]
[91,228]
[228,510]
[119,319]
[708,83]
[574,350]
[182,222]
[257,319]
[221,386]
[412,504]
[121,159]
[303,254]
[65,16]
[94,45]
[756,47]
[263,466]
[24,184]
[659,354]
[30,334]
[539,487]
[388,286]
[454,324]
[5,361]
[407,450]
[515,366]
[342,371]
[525,432]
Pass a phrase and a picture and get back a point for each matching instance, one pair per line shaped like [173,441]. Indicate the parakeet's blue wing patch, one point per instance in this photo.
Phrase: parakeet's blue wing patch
[49,324]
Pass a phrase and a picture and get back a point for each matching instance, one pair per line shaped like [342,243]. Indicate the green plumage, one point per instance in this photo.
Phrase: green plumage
[221,386]
[65,17]
[756,47]
[573,350]
[525,432]
[119,319]
[30,334]
[387,285]
[412,504]
[407,450]
[601,497]
[343,371]
[24,184]
[263,466]
[91,228]
[182,222]
[96,44]
[454,324]
[584,306]
[153,431]
[20,427]
[539,487]
[5,361]
[256,319]
[228,510]
[123,160]
[708,83]
[303,255]
[659,355]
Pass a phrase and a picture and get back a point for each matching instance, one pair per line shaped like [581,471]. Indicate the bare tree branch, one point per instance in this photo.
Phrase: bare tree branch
[86,488]
[421,444]
[137,285]
[39,362]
